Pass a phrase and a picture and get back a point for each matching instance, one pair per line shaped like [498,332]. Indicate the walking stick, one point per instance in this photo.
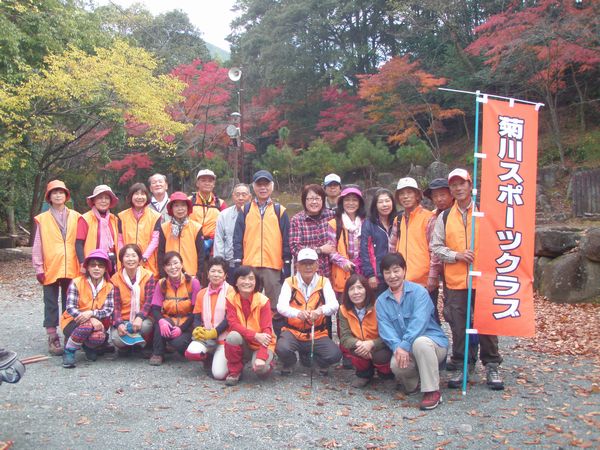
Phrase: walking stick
[312,352]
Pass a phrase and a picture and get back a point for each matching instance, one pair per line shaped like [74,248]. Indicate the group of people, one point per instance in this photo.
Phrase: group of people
[189,274]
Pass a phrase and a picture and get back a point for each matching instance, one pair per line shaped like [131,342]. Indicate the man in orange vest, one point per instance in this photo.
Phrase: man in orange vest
[306,299]
[206,206]
[451,242]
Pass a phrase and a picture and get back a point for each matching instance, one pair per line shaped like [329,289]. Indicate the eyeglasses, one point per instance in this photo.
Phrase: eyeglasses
[96,264]
[314,199]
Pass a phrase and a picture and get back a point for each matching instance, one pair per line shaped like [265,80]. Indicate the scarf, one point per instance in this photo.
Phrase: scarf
[177,226]
[134,287]
[106,238]
[352,226]
[210,321]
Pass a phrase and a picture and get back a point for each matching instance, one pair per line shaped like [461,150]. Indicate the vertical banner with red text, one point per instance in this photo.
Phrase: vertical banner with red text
[504,303]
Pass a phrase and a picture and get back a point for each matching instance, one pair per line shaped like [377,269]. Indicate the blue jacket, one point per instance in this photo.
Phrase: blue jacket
[373,239]
[401,323]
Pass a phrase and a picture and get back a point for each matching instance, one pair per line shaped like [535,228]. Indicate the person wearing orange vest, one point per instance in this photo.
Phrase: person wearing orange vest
[54,258]
[172,305]
[182,235]
[210,324]
[98,228]
[359,334]
[250,333]
[451,242]
[207,206]
[134,288]
[261,240]
[140,225]
[90,304]
[306,299]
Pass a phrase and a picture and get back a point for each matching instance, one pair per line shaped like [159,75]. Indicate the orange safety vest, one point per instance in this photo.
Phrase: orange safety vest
[263,243]
[300,328]
[252,322]
[60,258]
[140,232]
[365,331]
[86,300]
[338,275]
[184,244]
[198,309]
[91,240]
[414,246]
[206,214]
[458,238]
[177,303]
[119,282]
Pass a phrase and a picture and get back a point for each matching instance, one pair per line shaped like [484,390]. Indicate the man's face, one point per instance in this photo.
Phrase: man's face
[408,197]
[333,189]
[158,186]
[394,277]
[241,196]
[263,189]
[205,184]
[441,198]
[307,269]
[460,189]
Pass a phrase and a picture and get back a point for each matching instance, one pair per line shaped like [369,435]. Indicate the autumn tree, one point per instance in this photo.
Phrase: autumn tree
[543,49]
[343,118]
[399,101]
[75,109]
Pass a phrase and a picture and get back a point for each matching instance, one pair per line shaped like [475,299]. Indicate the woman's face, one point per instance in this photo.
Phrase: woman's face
[216,275]
[139,199]
[351,203]
[173,267]
[246,284]
[180,209]
[131,260]
[313,204]
[384,205]
[357,294]
[96,269]
[58,197]
[102,202]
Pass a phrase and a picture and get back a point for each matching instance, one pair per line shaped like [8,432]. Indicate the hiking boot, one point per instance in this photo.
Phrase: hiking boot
[54,347]
[457,379]
[431,400]
[146,352]
[90,354]
[385,376]
[305,359]
[68,358]
[233,379]
[347,363]
[360,382]
[286,371]
[494,381]
[156,360]
[453,366]
[324,372]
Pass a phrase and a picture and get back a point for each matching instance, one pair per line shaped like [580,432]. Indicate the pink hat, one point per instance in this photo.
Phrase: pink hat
[181,197]
[351,190]
[103,189]
[98,254]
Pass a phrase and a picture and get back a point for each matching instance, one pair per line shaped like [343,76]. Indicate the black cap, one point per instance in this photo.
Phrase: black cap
[262,174]
[438,183]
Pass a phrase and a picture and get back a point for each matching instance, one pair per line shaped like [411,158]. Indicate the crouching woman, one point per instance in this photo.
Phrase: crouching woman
[251,334]
[90,305]
[359,335]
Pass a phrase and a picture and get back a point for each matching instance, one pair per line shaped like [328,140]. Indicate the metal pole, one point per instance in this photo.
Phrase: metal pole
[241,110]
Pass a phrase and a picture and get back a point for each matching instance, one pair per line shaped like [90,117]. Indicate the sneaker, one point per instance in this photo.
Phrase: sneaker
[54,347]
[360,382]
[68,358]
[233,379]
[90,354]
[494,381]
[156,360]
[457,379]
[431,400]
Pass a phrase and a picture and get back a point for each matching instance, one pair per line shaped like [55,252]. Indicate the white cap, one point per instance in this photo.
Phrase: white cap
[460,173]
[332,178]
[407,183]
[307,254]
[206,173]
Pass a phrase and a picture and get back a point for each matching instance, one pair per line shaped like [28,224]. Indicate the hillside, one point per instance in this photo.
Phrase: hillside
[217,52]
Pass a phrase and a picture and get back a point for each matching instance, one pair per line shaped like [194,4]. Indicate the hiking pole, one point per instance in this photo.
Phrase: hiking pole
[312,352]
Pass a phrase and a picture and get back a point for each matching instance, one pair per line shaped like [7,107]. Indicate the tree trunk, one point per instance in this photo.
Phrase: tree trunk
[581,107]
[552,102]
[36,202]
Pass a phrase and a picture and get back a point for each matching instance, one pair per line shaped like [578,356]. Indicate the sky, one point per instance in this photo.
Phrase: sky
[211,17]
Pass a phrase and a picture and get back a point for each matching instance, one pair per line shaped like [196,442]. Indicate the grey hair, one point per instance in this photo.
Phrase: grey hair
[240,185]
[157,175]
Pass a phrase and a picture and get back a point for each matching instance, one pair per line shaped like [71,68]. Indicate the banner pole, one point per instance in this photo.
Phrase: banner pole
[472,248]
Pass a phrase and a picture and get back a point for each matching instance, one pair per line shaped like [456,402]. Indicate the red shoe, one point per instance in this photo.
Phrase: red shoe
[431,400]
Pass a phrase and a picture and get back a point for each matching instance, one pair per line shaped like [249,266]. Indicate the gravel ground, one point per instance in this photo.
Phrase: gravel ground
[549,402]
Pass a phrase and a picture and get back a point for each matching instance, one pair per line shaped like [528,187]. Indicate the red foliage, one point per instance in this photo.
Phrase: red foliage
[131,163]
[343,119]
[263,114]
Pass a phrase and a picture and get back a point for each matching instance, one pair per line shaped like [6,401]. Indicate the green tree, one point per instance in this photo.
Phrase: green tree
[318,160]
[367,157]
[279,161]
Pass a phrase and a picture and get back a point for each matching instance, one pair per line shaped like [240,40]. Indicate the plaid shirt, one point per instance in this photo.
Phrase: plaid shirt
[73,302]
[144,309]
[311,232]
